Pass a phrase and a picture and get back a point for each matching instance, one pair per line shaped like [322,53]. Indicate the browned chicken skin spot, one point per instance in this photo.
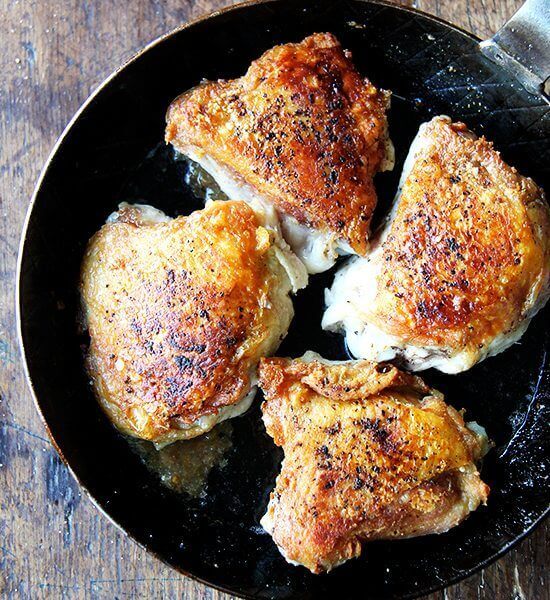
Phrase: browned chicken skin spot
[301,127]
[179,313]
[370,453]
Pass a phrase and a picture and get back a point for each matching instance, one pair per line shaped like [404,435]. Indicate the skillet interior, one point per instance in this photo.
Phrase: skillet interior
[112,153]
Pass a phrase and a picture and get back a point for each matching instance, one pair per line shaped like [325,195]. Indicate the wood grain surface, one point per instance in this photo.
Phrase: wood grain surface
[53,542]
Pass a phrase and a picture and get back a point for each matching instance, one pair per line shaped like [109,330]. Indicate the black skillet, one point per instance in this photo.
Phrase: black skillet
[112,151]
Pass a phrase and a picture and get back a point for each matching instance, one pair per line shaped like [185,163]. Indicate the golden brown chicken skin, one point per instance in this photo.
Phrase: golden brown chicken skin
[370,453]
[301,130]
[179,313]
[462,265]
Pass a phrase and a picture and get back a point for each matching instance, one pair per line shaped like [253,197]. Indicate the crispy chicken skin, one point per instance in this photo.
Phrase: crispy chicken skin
[179,313]
[370,453]
[461,266]
[302,130]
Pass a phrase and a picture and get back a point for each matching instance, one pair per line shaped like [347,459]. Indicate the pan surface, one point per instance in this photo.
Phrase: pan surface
[113,152]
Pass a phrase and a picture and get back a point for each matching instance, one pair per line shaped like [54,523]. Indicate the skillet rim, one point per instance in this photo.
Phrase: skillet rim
[18,301]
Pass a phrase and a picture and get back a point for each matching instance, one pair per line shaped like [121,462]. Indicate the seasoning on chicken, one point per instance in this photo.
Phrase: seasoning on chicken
[459,268]
[299,137]
[370,453]
[179,312]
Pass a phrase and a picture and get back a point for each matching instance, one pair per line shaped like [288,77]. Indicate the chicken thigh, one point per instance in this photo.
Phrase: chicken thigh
[459,268]
[179,312]
[299,137]
[370,453]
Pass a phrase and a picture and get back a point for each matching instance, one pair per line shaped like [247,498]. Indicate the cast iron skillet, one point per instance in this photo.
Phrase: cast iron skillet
[112,151]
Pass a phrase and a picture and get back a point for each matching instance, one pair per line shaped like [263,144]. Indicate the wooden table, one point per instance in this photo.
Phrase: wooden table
[53,542]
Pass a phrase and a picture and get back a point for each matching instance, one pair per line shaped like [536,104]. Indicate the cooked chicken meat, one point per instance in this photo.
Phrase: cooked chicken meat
[179,312]
[459,268]
[299,137]
[370,453]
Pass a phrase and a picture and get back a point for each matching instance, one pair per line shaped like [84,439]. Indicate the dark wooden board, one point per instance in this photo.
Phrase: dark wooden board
[53,542]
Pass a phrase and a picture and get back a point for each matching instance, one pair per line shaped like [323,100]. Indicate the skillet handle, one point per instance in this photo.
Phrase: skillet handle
[522,46]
